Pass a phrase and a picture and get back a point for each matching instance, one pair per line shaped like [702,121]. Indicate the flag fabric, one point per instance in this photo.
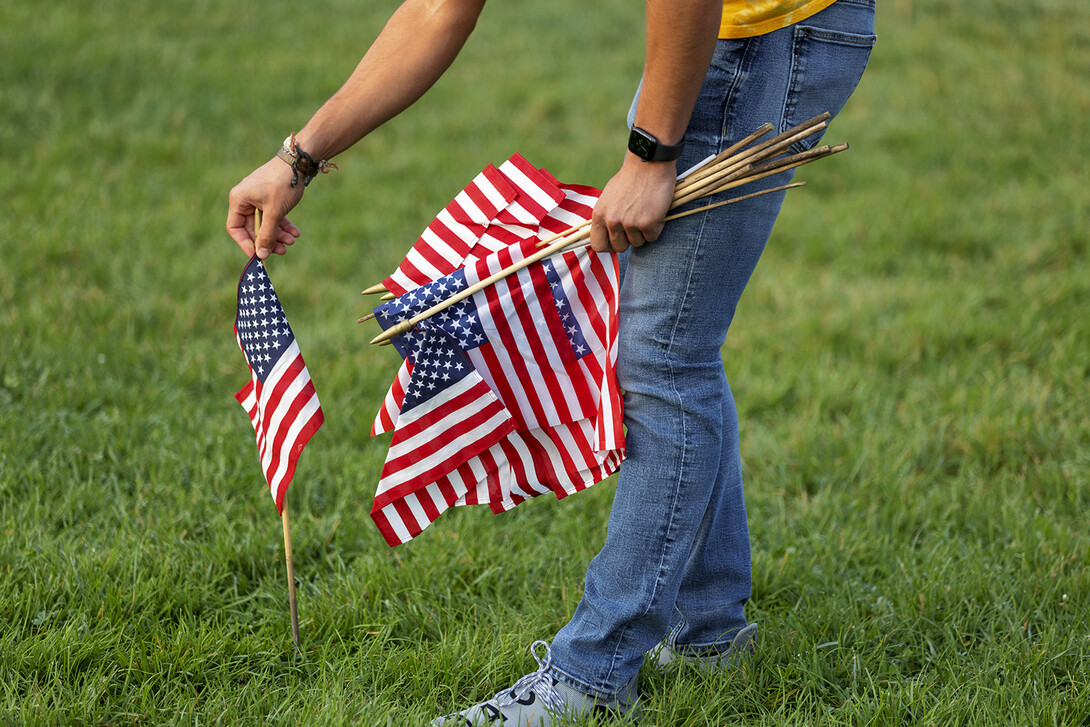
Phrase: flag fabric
[279,398]
[510,393]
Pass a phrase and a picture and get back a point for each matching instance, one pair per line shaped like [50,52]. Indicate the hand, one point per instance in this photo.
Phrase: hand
[633,205]
[269,189]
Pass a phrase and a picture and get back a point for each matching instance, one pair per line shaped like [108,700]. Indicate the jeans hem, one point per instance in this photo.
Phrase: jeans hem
[570,681]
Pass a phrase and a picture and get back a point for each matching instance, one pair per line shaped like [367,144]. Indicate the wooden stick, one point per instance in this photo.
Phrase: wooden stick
[728,152]
[728,172]
[732,200]
[763,150]
[782,166]
[366,318]
[762,171]
[292,604]
[581,239]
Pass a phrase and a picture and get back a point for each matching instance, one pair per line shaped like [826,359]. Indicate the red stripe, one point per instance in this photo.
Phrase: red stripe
[519,373]
[407,518]
[481,201]
[281,446]
[431,512]
[279,386]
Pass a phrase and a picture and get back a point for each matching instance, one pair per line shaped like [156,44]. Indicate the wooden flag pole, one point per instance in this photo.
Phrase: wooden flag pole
[293,605]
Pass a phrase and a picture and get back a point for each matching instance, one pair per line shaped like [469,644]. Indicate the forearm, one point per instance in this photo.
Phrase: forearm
[681,37]
[418,44]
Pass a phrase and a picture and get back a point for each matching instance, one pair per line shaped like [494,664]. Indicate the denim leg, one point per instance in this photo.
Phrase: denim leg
[676,558]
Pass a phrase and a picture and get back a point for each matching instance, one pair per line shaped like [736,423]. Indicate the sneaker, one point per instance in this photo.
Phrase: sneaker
[743,644]
[538,700]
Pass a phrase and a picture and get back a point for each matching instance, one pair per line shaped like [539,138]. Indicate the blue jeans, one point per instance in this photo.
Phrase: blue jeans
[676,561]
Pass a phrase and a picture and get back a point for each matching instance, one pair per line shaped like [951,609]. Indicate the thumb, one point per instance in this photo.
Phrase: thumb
[265,228]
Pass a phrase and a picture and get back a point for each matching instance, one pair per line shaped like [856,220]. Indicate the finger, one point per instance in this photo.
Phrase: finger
[599,237]
[288,227]
[267,241]
[239,227]
[287,233]
[621,238]
[650,233]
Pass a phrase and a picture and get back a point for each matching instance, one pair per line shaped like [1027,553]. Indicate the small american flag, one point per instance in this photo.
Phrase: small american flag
[279,398]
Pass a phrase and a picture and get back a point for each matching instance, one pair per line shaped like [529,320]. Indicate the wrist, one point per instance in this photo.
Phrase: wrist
[642,166]
[302,164]
[649,148]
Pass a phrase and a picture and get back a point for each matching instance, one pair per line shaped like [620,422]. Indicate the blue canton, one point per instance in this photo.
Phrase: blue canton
[563,309]
[437,365]
[460,321]
[263,330]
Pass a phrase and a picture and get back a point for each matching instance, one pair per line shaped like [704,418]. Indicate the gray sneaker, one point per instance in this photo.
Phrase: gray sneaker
[742,645]
[538,700]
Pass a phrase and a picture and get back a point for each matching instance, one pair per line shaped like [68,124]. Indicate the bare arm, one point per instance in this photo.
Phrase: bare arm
[416,47]
[681,38]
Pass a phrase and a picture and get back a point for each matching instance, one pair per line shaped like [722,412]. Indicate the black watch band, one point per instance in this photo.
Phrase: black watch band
[650,149]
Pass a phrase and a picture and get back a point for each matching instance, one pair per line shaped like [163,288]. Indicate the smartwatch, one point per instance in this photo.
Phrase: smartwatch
[650,149]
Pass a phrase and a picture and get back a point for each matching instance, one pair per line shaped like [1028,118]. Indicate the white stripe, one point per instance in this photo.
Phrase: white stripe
[492,193]
[396,524]
[306,414]
[391,407]
[464,202]
[523,183]
[417,511]
[456,228]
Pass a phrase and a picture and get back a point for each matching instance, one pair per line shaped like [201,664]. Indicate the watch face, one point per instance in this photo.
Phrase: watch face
[641,146]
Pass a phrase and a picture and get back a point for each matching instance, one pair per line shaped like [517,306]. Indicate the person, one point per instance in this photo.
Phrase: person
[674,574]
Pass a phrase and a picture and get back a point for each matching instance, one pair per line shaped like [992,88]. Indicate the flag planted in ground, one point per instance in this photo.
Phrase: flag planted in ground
[279,398]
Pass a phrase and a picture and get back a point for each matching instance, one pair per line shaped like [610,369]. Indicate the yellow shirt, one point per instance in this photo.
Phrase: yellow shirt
[746,18]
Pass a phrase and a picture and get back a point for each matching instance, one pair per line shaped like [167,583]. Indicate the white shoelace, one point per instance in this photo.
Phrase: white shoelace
[540,683]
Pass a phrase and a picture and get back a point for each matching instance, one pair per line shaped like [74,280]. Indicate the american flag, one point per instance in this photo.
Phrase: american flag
[279,398]
[535,354]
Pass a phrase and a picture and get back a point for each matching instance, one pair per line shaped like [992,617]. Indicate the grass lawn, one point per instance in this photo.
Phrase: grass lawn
[911,363]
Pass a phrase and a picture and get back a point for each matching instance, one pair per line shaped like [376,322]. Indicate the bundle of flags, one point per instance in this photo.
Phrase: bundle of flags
[279,398]
[510,393]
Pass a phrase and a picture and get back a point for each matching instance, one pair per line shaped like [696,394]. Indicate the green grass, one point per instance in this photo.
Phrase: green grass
[911,362]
